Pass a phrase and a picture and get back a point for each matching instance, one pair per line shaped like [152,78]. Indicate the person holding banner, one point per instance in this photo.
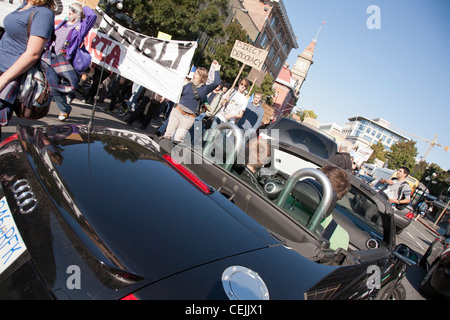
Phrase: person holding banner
[195,92]
[19,51]
[70,35]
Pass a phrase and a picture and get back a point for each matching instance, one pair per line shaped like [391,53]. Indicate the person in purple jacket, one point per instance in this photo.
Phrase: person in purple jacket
[183,114]
[69,35]
[19,51]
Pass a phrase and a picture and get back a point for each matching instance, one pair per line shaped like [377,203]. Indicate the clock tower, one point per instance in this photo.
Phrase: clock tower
[303,63]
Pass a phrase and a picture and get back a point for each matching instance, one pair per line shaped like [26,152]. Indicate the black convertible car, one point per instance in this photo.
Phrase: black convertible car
[300,213]
[109,214]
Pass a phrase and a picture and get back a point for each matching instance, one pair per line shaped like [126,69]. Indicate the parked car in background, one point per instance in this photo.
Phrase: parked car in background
[436,260]
[302,136]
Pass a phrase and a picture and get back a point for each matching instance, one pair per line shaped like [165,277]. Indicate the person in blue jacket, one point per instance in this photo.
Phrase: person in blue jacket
[70,35]
[183,114]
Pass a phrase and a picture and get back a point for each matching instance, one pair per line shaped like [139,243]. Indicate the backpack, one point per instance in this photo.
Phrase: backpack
[423,207]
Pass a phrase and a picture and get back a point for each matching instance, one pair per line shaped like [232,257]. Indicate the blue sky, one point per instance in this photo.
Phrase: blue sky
[399,72]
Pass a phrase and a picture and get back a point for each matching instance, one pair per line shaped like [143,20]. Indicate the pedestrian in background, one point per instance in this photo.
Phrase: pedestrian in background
[19,51]
[148,106]
[233,105]
[253,114]
[342,158]
[70,35]
[195,92]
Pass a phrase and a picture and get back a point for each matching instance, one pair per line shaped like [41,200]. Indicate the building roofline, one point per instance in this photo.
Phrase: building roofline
[286,21]
[380,125]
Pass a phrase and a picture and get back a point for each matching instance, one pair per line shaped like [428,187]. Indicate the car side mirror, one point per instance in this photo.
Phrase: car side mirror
[407,255]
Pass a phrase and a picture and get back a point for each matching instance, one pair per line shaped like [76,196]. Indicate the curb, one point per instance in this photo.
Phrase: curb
[427,225]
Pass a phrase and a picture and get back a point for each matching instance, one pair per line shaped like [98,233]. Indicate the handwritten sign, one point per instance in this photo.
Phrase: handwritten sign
[249,54]
[11,243]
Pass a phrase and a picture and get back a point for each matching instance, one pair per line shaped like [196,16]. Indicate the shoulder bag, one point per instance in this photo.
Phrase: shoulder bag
[33,99]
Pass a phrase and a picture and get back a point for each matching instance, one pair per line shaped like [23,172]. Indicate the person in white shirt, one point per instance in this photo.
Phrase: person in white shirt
[233,105]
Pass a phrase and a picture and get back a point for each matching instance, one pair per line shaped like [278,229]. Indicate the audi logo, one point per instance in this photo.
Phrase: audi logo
[25,199]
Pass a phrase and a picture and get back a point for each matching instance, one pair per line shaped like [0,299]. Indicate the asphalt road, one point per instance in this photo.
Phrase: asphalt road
[418,236]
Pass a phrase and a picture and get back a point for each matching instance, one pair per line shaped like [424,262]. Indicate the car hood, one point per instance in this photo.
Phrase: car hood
[130,207]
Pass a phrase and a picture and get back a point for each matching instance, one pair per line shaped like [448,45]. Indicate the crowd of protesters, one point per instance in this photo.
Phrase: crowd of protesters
[208,103]
[216,102]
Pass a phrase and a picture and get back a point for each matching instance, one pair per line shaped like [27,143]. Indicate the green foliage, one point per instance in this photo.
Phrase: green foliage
[402,153]
[378,152]
[220,50]
[183,19]
[303,114]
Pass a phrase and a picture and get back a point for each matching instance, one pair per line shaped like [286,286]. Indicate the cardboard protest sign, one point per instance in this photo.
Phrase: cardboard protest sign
[248,54]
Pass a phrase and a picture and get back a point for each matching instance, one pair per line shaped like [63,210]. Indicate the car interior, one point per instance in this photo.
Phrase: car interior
[292,199]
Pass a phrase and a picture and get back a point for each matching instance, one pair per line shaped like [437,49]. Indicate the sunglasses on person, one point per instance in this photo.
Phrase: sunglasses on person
[243,84]
[73,10]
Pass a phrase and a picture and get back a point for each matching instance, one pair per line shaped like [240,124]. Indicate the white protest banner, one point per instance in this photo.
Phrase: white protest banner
[248,54]
[159,65]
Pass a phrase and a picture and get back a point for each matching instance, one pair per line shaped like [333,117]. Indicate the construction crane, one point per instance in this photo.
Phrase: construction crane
[432,144]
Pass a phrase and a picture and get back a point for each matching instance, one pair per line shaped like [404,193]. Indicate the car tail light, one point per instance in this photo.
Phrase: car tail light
[410,215]
[188,175]
[9,139]
[129,297]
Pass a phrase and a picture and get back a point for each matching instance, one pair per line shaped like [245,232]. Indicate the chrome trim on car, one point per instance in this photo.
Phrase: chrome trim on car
[372,244]
[25,198]
[242,283]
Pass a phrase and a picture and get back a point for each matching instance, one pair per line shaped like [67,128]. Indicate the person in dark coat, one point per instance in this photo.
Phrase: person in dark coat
[342,158]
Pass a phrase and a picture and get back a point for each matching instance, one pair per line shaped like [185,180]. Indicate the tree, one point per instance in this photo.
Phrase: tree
[183,19]
[303,114]
[402,153]
[267,89]
[378,152]
[220,50]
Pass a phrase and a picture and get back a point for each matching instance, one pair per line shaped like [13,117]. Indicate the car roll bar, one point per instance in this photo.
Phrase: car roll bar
[327,196]
[211,138]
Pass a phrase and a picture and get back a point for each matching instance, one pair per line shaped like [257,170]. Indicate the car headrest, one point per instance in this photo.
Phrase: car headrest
[309,192]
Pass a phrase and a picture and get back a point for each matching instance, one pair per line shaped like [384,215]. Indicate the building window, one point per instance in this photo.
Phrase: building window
[278,62]
[281,36]
[274,23]
[271,52]
[286,47]
[389,140]
[264,40]
[368,130]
